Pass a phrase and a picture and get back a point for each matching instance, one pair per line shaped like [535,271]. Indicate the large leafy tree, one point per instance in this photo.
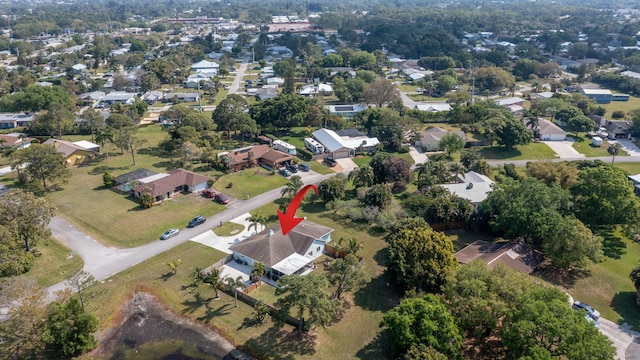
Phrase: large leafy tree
[56,120]
[438,205]
[333,188]
[35,98]
[227,113]
[424,321]
[580,123]
[362,176]
[346,274]
[22,326]
[420,258]
[513,132]
[604,196]
[307,295]
[451,143]
[379,196]
[562,173]
[542,323]
[69,329]
[635,278]
[26,216]
[93,120]
[282,112]
[44,165]
[380,92]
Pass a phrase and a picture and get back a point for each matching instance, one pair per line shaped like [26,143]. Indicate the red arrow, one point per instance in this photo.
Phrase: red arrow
[287,220]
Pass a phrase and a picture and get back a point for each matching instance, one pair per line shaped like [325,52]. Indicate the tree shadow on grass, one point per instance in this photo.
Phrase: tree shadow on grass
[99,170]
[624,303]
[314,207]
[279,344]
[377,295]
[561,277]
[166,276]
[169,165]
[190,306]
[374,349]
[381,257]
[211,313]
[612,246]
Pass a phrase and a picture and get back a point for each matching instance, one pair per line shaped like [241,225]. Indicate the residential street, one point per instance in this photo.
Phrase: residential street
[237,79]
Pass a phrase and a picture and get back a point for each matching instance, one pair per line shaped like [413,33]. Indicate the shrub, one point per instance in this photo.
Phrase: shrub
[305,154]
[618,114]
[107,179]
[403,149]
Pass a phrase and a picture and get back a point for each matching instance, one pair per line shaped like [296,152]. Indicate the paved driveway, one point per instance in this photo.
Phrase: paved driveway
[346,164]
[624,339]
[563,149]
[628,146]
[417,156]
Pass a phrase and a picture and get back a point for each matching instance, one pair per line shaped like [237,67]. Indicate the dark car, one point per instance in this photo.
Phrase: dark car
[293,168]
[208,193]
[303,167]
[221,198]
[330,161]
[197,221]
[284,172]
[590,310]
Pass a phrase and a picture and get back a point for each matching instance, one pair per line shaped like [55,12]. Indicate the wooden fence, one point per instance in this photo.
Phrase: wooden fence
[251,301]
[218,264]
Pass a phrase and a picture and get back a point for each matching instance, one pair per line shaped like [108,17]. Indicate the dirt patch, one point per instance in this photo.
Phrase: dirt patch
[146,324]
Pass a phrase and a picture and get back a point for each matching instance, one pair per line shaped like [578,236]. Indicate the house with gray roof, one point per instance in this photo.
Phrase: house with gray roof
[12,121]
[293,253]
[547,131]
[430,138]
[471,186]
[343,146]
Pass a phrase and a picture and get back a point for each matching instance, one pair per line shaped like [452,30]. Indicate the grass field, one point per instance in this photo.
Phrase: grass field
[249,182]
[583,145]
[319,167]
[626,106]
[53,263]
[228,229]
[629,168]
[116,219]
[531,151]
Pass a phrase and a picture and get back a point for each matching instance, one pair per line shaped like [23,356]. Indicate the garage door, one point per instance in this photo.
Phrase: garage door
[340,154]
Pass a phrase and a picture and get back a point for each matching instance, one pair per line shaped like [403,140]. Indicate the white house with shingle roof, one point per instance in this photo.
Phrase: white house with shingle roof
[205,65]
[340,147]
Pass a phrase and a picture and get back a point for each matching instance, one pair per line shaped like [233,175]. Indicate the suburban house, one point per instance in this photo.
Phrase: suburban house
[471,186]
[547,131]
[205,65]
[515,255]
[130,177]
[91,98]
[316,89]
[345,110]
[433,107]
[184,96]
[344,143]
[79,68]
[430,138]
[545,95]
[12,121]
[600,96]
[118,97]
[75,153]
[251,156]
[194,80]
[15,140]
[267,92]
[293,253]
[165,185]
[618,129]
[635,179]
[514,104]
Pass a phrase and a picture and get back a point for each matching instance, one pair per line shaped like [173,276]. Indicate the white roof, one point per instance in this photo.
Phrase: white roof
[509,101]
[475,187]
[86,144]
[437,107]
[151,178]
[596,92]
[292,263]
[333,142]
[204,64]
[635,178]
[632,74]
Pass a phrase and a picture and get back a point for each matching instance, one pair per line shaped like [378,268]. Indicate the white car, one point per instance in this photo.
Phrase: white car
[169,233]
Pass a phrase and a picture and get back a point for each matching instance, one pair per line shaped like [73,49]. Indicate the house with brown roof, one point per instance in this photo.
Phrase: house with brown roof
[293,253]
[75,153]
[164,186]
[515,255]
[15,140]
[251,156]
[430,138]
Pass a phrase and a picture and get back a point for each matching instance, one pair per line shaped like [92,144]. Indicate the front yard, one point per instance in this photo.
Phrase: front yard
[531,151]
[54,263]
[248,183]
[583,145]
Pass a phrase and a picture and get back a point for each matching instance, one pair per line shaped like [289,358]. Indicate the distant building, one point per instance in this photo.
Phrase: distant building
[345,110]
[600,96]
[12,121]
[75,153]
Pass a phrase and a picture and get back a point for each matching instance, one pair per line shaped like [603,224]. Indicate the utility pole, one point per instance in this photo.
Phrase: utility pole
[199,98]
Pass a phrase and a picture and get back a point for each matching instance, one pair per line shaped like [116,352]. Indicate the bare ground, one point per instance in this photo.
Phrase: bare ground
[145,322]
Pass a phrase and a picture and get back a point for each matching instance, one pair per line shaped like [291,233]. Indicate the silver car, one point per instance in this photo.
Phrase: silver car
[169,233]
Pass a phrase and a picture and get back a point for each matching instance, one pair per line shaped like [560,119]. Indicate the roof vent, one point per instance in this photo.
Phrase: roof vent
[270,233]
[470,186]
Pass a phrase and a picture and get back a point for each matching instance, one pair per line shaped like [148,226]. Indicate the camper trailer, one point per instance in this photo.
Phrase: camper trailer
[313,146]
[284,147]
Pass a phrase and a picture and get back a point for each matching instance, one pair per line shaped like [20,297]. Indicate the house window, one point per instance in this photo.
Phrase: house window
[318,249]
[311,253]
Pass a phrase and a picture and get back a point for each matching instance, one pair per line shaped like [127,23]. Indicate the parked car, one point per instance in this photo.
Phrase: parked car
[592,321]
[284,172]
[208,193]
[293,168]
[221,198]
[330,161]
[303,167]
[577,305]
[197,221]
[169,234]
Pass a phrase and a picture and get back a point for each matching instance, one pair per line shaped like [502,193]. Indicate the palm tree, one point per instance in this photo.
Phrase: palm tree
[293,186]
[196,277]
[213,279]
[255,220]
[104,136]
[258,270]
[234,284]
[533,122]
[362,176]
[349,245]
[512,88]
[614,149]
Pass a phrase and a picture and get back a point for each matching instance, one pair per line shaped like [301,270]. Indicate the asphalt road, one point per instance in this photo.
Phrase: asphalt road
[607,159]
[624,340]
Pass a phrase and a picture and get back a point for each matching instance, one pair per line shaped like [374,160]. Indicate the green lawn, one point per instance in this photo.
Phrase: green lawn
[629,168]
[607,286]
[266,293]
[319,167]
[228,229]
[583,145]
[362,160]
[116,219]
[54,263]
[251,182]
[626,106]
[531,151]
